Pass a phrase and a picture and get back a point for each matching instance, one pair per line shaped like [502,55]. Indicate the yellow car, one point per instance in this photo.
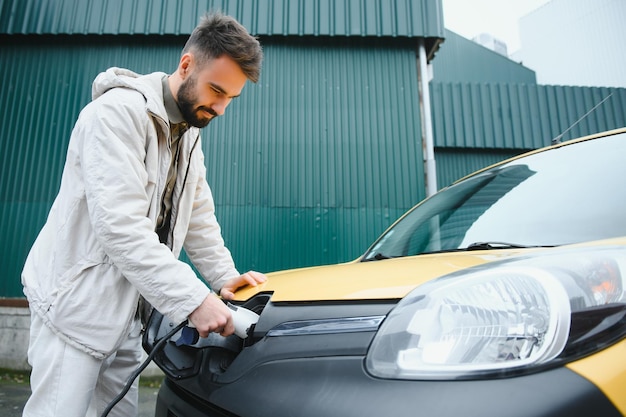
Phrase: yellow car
[501,295]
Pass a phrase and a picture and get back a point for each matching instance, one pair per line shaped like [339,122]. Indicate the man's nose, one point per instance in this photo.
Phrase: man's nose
[219,106]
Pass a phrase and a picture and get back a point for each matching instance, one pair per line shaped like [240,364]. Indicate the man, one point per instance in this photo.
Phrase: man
[133,193]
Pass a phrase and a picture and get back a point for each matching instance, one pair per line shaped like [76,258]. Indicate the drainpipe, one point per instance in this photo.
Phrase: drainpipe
[430,174]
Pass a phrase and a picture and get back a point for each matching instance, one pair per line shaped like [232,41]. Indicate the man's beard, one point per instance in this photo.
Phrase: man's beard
[187,104]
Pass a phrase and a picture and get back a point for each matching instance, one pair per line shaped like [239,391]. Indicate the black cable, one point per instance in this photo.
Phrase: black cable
[157,347]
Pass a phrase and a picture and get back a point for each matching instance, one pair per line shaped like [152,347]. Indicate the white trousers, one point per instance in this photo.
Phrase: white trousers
[70,383]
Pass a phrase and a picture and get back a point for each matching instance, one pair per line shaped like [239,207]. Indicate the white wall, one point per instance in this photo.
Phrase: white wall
[14,335]
[576,42]
[14,327]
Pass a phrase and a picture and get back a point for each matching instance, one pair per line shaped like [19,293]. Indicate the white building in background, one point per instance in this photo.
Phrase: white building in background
[488,41]
[576,42]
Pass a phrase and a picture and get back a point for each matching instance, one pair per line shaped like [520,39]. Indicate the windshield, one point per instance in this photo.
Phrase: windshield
[570,194]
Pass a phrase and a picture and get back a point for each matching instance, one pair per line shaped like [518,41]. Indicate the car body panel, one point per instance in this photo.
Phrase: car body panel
[607,370]
[375,280]
[336,386]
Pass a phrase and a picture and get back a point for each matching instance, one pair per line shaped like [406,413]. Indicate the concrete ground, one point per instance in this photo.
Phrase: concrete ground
[14,391]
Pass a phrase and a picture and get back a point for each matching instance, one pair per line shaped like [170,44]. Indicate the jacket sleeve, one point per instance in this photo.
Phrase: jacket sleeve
[204,243]
[115,131]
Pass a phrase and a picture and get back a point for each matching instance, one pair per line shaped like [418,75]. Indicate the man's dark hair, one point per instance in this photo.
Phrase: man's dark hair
[217,35]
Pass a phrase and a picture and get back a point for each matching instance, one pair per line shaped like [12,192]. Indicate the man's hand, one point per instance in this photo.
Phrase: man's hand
[212,316]
[249,278]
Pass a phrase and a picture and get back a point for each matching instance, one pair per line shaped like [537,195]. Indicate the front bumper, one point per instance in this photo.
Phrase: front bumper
[339,386]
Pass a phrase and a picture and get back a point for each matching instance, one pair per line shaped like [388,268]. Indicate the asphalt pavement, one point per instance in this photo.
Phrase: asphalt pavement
[14,391]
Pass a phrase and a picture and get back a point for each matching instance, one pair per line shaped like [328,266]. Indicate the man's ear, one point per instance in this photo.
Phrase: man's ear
[185,66]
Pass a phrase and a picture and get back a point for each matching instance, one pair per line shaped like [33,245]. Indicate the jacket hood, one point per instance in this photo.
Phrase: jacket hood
[148,85]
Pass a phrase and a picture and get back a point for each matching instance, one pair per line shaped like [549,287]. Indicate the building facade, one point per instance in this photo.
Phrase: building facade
[314,161]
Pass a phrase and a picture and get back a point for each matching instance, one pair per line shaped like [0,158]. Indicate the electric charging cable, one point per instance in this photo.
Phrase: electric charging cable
[157,348]
[243,320]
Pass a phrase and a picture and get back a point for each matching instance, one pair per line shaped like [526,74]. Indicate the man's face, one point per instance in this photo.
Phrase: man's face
[206,91]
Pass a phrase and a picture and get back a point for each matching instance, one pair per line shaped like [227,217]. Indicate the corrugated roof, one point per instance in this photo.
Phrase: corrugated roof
[409,18]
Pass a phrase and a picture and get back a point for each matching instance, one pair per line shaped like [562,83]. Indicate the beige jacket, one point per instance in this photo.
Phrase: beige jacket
[98,251]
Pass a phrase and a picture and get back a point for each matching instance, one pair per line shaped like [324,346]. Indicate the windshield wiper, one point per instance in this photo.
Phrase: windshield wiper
[377,257]
[502,245]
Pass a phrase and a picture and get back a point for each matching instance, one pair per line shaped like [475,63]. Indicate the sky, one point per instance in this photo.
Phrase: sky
[499,18]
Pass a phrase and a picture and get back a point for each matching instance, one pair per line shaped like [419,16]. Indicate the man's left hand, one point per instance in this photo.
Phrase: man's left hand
[249,278]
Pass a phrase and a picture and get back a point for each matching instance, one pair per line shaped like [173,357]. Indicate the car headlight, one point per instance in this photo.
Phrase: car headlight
[505,318]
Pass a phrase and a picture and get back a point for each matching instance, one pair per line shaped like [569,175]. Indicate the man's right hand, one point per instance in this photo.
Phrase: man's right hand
[212,316]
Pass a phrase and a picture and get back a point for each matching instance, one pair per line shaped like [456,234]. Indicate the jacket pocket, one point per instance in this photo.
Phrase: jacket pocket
[94,307]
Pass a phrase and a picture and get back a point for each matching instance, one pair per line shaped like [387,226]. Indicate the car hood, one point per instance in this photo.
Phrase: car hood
[384,279]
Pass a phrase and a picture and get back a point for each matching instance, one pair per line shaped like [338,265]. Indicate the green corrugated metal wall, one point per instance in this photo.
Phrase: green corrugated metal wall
[45,81]
[332,159]
[300,178]
[462,60]
[520,116]
[307,167]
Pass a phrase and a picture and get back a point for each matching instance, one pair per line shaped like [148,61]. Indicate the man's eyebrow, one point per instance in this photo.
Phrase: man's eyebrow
[221,90]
